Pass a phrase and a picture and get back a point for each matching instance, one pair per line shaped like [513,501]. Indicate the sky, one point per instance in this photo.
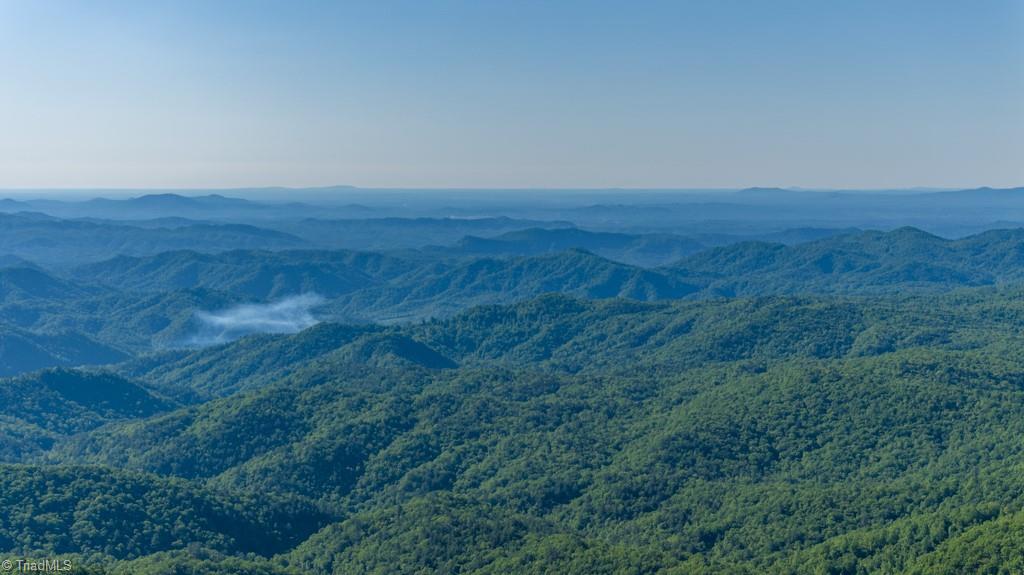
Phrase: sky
[581,94]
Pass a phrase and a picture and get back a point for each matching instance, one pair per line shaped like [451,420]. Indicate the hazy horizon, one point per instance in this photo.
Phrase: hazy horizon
[342,188]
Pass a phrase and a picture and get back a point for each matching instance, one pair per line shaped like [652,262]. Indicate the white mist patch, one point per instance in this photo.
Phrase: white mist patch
[289,315]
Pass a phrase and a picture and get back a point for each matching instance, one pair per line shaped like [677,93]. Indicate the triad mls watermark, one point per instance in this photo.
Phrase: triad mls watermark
[36,566]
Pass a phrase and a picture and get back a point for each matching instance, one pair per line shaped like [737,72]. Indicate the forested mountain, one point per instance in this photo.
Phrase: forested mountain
[51,241]
[121,320]
[547,331]
[864,262]
[776,435]
[49,404]
[255,275]
[642,250]
[22,283]
[371,286]
[95,512]
[22,351]
[520,400]
[444,288]
[413,285]
[397,233]
[250,362]
[136,304]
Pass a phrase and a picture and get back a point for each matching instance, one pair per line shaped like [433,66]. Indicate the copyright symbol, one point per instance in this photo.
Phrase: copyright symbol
[6,565]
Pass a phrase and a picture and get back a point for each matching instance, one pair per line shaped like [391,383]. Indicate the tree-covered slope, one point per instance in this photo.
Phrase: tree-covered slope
[129,321]
[414,285]
[249,363]
[637,249]
[442,289]
[22,283]
[555,331]
[100,512]
[863,262]
[48,240]
[729,437]
[22,351]
[155,302]
[575,335]
[376,233]
[591,416]
[813,452]
[46,405]
[252,274]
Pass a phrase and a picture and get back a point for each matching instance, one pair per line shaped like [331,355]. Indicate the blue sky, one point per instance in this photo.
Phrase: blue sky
[715,93]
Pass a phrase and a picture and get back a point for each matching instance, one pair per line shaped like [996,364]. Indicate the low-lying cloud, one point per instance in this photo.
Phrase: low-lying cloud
[288,315]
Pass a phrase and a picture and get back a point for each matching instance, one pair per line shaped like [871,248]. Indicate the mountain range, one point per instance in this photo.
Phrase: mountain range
[451,384]
[581,431]
[132,304]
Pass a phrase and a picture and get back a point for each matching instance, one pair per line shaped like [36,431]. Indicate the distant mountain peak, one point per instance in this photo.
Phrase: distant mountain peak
[758,190]
[911,231]
[161,198]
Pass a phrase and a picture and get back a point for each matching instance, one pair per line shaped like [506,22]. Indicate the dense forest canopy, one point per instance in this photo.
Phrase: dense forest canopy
[261,390]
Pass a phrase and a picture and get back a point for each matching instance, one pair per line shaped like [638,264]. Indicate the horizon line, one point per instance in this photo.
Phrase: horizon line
[348,187]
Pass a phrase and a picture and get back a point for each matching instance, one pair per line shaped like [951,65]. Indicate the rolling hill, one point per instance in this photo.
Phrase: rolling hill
[642,250]
[22,351]
[774,435]
[46,405]
[441,289]
[865,262]
[400,233]
[52,241]
[252,274]
[92,511]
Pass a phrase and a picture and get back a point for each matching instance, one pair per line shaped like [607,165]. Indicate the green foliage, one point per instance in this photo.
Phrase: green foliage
[862,262]
[789,435]
[994,547]
[250,274]
[249,363]
[801,434]
[199,561]
[45,405]
[96,511]
[442,289]
[434,534]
